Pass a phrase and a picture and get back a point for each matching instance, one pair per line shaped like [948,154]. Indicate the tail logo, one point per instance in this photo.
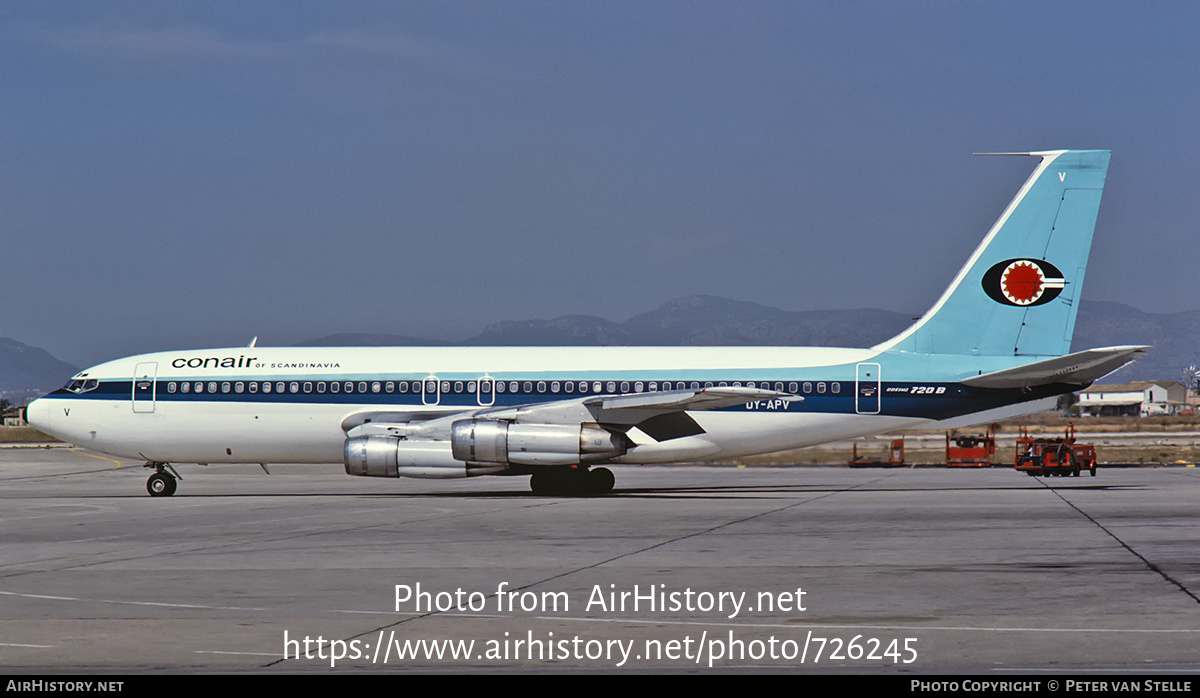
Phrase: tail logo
[1023,282]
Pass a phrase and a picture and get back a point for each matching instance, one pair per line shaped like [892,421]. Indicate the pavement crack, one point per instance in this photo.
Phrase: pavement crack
[1149,565]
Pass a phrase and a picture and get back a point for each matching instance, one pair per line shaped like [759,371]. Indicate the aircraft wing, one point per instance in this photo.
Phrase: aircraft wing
[615,410]
[633,408]
[676,400]
[1081,368]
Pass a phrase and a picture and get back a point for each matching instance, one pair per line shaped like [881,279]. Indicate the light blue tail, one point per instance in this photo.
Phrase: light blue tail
[1019,292]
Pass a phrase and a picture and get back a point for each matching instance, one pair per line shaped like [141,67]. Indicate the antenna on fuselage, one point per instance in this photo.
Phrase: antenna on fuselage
[252,342]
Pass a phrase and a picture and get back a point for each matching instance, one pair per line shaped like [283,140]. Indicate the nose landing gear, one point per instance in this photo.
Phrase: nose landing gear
[163,482]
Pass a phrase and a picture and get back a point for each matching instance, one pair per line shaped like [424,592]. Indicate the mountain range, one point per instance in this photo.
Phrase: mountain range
[27,371]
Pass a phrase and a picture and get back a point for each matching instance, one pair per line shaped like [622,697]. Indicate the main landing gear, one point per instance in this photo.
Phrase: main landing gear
[163,482]
[573,481]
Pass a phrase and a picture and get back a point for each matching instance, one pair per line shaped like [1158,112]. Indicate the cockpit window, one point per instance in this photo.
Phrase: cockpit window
[82,385]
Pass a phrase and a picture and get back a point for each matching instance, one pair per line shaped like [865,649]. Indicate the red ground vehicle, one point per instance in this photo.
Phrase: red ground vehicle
[894,459]
[1054,456]
[970,450]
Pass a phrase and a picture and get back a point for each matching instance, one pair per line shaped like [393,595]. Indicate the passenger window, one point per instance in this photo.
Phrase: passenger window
[512,387]
[598,387]
[458,386]
[624,386]
[239,387]
[402,387]
[528,387]
[334,387]
[821,388]
[835,388]
[280,387]
[185,387]
[471,387]
[430,387]
[541,386]
[212,386]
[639,387]
[294,387]
[254,386]
[389,387]
[555,386]
[171,387]
[779,386]
[654,386]
[320,386]
[696,385]
[376,386]
[499,386]
[807,387]
[266,386]
[308,386]
[348,387]
[226,387]
[708,384]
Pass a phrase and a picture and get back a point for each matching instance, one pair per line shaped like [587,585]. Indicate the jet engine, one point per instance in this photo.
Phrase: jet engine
[385,456]
[493,441]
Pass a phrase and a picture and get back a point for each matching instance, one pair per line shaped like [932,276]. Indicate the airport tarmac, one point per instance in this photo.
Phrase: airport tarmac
[682,568]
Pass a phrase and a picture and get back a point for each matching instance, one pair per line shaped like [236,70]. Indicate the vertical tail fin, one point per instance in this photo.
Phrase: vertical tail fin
[1018,294]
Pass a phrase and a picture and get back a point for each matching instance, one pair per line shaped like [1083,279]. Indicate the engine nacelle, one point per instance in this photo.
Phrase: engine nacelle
[492,441]
[385,456]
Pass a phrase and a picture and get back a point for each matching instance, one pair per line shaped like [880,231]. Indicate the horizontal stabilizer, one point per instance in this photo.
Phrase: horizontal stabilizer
[1080,368]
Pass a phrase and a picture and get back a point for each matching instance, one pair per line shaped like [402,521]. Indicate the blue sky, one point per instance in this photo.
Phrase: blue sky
[194,174]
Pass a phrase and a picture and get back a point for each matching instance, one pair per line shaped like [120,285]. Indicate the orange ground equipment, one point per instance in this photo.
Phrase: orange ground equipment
[971,450]
[1060,456]
[894,458]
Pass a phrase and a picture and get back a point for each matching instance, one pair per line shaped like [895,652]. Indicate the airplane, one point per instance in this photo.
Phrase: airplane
[996,343]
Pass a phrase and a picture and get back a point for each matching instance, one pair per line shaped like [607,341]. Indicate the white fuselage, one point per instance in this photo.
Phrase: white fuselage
[227,415]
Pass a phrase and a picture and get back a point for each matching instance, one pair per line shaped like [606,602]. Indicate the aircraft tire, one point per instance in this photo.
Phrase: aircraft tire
[571,482]
[554,482]
[542,483]
[161,485]
[600,481]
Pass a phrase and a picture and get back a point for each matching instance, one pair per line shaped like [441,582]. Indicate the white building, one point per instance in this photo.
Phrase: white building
[1142,398]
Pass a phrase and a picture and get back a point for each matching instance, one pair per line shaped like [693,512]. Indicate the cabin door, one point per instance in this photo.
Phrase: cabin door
[144,386]
[866,389]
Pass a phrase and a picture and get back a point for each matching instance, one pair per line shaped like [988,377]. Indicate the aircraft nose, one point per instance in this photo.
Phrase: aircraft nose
[36,414]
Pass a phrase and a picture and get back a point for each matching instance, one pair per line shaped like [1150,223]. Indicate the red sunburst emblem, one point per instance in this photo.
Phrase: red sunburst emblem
[1022,283]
